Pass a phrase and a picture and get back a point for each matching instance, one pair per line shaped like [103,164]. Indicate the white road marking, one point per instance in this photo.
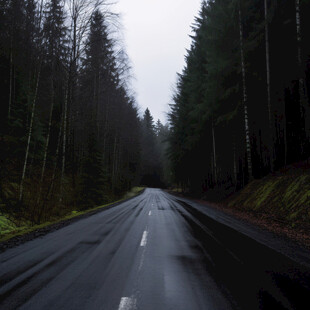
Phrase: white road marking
[127,303]
[150,213]
[144,238]
[142,259]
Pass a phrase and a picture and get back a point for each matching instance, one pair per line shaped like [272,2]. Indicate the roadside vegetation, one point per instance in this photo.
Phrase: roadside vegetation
[71,135]
[9,229]
[240,112]
[283,196]
[241,107]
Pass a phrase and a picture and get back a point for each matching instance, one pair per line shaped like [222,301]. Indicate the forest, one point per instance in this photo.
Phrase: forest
[71,136]
[241,108]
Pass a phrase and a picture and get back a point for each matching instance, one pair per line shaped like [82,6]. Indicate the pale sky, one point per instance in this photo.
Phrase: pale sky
[156,34]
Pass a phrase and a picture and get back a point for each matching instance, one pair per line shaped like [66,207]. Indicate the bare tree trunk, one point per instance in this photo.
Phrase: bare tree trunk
[47,140]
[117,160]
[21,187]
[51,186]
[298,31]
[11,78]
[97,108]
[234,158]
[105,129]
[304,108]
[245,100]
[270,136]
[64,145]
[214,152]
[114,163]
[56,158]
[267,62]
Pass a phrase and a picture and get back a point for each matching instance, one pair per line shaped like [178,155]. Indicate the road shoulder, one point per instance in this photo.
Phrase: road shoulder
[265,231]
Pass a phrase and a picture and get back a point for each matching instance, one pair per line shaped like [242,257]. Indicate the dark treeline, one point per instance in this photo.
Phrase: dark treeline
[241,105]
[70,135]
[154,164]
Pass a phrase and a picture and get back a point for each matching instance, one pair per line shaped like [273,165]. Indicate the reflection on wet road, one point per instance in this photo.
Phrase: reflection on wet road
[155,251]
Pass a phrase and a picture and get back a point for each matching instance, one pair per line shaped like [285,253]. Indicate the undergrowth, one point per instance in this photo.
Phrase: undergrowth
[283,196]
[8,229]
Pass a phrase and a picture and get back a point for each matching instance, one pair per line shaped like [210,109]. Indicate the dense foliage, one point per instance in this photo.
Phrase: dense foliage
[70,135]
[154,164]
[241,106]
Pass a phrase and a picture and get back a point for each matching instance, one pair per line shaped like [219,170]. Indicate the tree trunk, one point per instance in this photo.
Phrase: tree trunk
[114,162]
[21,187]
[47,139]
[214,152]
[234,158]
[298,31]
[64,145]
[11,78]
[303,100]
[270,136]
[105,127]
[56,158]
[245,100]
[267,62]
[97,108]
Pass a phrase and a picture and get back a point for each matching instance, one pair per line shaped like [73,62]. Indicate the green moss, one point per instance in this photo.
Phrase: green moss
[286,197]
[293,188]
[264,193]
[6,225]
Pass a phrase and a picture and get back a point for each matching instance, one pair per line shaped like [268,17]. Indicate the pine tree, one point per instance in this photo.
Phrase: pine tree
[93,183]
[150,165]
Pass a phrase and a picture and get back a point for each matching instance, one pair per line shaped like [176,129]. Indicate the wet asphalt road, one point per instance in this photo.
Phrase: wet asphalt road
[156,252]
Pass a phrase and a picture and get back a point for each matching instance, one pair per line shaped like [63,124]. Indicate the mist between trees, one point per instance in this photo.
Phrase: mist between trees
[70,134]
[241,104]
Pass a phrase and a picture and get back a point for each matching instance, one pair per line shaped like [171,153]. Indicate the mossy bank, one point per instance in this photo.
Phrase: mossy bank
[284,196]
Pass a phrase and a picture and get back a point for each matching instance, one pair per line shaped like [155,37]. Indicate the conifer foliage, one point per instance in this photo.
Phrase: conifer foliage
[69,128]
[241,105]
[152,152]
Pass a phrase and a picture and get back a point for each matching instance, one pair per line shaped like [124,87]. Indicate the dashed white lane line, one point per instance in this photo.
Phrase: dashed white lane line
[144,238]
[150,213]
[127,303]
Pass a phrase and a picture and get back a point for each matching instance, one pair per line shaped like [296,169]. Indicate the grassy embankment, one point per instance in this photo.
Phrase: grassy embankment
[9,230]
[283,196]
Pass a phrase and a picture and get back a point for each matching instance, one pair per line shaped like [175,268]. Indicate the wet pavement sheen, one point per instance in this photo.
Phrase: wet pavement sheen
[156,251]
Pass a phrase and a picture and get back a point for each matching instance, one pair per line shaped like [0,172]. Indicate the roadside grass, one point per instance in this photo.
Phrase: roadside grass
[9,230]
[285,197]
[6,226]
[134,191]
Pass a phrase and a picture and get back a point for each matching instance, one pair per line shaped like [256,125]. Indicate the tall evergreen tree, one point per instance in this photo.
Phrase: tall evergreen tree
[223,85]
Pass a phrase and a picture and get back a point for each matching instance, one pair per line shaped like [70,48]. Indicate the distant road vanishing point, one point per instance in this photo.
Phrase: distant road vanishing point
[156,252]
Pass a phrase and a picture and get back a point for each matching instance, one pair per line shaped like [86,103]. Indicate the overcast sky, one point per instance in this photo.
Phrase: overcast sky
[156,34]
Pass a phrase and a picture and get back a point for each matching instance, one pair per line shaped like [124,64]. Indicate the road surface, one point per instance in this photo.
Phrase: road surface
[156,252]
